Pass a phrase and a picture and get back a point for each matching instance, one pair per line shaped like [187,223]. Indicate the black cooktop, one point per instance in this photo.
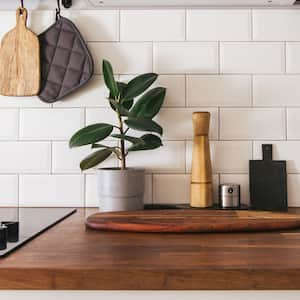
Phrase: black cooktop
[32,222]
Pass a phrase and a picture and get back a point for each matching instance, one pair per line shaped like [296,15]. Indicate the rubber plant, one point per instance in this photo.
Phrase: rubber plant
[131,113]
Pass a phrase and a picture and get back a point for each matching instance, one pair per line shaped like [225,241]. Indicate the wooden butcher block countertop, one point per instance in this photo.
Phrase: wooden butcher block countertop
[70,257]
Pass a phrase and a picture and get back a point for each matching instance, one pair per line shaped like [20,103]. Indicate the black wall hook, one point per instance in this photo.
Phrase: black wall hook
[58,10]
[22,7]
[67,3]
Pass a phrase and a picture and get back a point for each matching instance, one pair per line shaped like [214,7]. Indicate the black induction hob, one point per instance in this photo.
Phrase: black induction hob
[32,222]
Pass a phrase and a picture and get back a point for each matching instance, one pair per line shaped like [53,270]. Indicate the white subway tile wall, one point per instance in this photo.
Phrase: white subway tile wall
[219,90]
[219,25]
[292,58]
[242,65]
[189,57]
[252,57]
[150,25]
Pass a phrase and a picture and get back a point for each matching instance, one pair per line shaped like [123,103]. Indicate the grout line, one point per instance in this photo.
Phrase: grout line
[84,116]
[190,41]
[152,57]
[192,74]
[91,8]
[286,124]
[213,139]
[214,173]
[219,58]
[185,156]
[51,157]
[152,188]
[119,25]
[185,91]
[251,90]
[18,189]
[251,24]
[84,190]
[49,174]
[219,124]
[19,124]
[206,74]
[185,25]
[158,172]
[164,139]
[207,105]
[285,58]
[57,105]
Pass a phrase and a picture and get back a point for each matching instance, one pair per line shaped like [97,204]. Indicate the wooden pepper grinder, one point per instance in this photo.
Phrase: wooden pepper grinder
[201,180]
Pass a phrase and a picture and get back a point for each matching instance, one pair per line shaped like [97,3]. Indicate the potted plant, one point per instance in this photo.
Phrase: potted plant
[123,188]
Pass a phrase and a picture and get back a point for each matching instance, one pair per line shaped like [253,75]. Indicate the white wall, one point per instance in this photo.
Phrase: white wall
[242,65]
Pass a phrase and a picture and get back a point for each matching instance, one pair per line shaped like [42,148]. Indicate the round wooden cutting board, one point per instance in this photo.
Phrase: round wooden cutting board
[188,220]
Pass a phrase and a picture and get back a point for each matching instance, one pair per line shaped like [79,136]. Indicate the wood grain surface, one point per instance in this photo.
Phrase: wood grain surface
[70,257]
[20,60]
[189,220]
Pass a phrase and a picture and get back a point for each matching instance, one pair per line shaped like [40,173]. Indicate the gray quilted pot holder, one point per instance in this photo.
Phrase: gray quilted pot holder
[66,63]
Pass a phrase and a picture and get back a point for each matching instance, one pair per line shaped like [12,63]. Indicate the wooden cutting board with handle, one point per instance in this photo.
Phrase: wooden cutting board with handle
[268,182]
[20,60]
[189,220]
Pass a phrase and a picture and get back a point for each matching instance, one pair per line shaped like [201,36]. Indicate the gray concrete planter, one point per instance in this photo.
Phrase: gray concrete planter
[121,190]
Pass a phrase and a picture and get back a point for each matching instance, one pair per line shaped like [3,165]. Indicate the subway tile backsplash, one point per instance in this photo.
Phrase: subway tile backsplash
[252,123]
[252,57]
[185,57]
[242,65]
[139,25]
[219,25]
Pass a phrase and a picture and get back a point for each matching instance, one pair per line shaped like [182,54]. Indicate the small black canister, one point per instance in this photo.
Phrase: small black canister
[12,231]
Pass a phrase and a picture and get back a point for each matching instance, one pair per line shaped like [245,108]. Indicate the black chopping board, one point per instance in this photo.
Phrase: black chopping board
[268,182]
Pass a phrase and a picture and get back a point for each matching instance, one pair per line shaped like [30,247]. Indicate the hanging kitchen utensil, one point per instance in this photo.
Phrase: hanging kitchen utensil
[268,182]
[20,60]
[66,63]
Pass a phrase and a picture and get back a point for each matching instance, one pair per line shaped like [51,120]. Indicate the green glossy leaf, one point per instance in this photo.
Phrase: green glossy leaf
[131,139]
[150,103]
[97,146]
[90,134]
[143,124]
[113,149]
[118,107]
[109,79]
[150,142]
[126,103]
[138,85]
[95,158]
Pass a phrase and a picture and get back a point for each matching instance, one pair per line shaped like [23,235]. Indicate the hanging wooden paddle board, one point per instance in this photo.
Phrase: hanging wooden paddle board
[20,60]
[189,220]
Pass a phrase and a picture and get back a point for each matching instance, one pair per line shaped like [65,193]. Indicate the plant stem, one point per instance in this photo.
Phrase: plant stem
[123,154]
